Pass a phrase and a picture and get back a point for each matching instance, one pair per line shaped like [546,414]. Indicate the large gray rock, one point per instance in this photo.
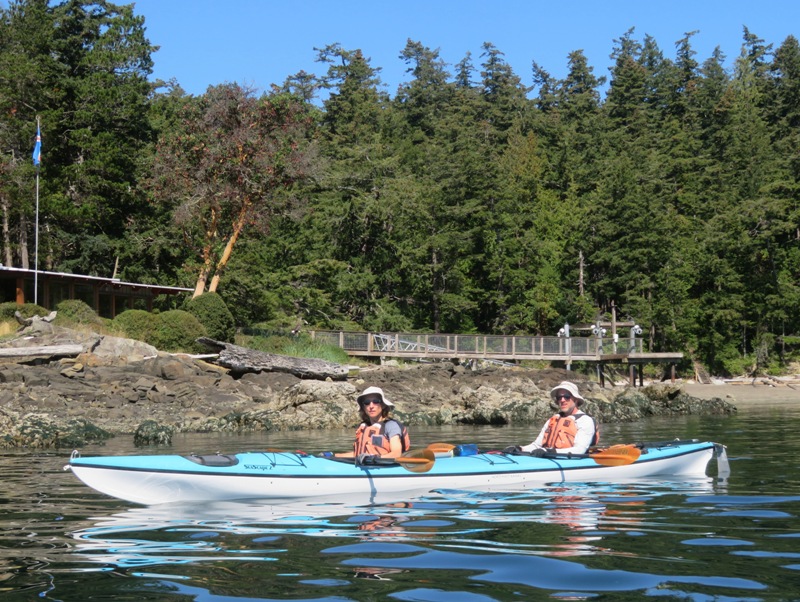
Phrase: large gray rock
[121,349]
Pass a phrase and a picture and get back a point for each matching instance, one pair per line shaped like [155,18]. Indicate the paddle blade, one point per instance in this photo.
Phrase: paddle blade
[442,449]
[420,460]
[617,455]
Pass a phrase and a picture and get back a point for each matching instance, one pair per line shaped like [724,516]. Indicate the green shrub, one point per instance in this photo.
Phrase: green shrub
[75,311]
[27,310]
[135,324]
[177,330]
[214,315]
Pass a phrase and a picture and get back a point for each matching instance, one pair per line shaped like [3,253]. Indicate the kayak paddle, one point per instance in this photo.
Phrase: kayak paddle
[441,448]
[616,455]
[420,460]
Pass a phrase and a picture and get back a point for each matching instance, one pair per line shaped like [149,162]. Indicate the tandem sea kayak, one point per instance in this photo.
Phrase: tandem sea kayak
[285,476]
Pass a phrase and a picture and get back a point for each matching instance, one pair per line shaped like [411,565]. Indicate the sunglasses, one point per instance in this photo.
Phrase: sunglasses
[560,396]
[366,402]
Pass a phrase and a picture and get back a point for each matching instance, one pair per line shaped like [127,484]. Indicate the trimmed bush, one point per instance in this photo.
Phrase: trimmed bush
[75,311]
[27,310]
[135,324]
[177,331]
[214,315]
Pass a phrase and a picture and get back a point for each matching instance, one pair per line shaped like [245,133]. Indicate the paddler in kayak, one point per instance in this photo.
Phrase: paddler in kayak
[570,431]
[378,435]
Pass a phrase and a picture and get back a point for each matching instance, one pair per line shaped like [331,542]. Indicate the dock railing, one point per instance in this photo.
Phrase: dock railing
[467,346]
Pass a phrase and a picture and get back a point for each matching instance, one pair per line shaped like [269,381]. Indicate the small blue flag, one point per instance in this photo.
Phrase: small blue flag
[37,148]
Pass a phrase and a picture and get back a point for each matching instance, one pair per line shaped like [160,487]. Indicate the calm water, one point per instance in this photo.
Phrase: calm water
[684,540]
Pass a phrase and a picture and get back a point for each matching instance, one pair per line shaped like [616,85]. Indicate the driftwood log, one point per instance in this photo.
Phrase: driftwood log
[241,360]
[42,352]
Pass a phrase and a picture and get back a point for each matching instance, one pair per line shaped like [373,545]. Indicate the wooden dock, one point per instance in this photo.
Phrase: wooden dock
[498,348]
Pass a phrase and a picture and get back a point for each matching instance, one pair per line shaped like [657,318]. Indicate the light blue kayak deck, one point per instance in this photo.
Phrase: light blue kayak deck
[298,465]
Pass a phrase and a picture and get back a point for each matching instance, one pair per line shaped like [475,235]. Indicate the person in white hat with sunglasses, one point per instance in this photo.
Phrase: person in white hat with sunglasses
[570,431]
[378,435]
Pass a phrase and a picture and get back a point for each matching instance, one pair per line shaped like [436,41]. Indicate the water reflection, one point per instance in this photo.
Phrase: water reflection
[584,513]
[530,570]
[543,531]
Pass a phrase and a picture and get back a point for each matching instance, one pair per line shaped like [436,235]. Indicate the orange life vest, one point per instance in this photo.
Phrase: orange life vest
[371,439]
[561,431]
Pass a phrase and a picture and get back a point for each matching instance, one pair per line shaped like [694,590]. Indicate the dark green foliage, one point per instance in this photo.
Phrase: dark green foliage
[136,324]
[81,67]
[177,331]
[75,311]
[211,311]
[173,331]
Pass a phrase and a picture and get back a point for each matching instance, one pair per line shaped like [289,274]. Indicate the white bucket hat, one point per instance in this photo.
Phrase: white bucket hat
[375,391]
[571,388]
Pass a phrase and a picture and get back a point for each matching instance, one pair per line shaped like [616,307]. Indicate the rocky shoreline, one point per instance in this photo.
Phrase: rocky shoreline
[119,387]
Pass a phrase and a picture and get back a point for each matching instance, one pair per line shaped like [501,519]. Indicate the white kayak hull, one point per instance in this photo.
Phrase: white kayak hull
[287,476]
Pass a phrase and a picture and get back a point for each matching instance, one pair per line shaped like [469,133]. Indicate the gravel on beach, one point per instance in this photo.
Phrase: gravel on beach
[745,394]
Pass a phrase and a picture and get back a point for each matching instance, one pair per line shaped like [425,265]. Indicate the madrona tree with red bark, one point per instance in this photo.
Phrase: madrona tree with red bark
[229,158]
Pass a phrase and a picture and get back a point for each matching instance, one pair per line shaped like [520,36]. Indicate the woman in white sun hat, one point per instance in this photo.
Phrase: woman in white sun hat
[378,435]
[570,431]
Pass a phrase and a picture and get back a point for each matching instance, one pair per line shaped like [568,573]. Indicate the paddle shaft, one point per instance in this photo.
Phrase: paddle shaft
[616,455]
[403,460]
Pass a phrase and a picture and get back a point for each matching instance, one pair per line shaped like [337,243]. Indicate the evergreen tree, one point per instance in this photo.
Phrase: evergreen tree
[102,126]
[635,224]
[357,207]
[26,67]
[433,137]
[82,67]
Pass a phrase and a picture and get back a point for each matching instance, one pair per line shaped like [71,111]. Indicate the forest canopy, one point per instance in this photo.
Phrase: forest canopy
[468,202]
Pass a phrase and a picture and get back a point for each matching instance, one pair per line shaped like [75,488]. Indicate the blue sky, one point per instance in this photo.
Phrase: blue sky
[260,42]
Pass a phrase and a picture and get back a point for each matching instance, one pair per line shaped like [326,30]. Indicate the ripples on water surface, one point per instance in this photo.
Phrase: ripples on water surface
[683,540]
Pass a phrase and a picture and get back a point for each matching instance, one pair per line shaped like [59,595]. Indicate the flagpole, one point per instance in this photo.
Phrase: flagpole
[36,160]
[36,247]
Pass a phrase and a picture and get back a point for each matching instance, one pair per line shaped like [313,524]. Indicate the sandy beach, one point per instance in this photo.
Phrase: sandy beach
[744,394]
